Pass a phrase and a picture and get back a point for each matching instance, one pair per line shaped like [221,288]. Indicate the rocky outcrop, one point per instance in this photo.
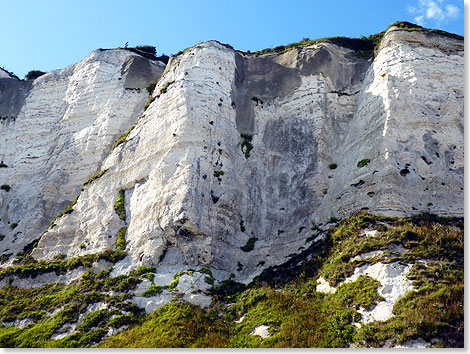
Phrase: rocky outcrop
[236,154]
[56,132]
[221,172]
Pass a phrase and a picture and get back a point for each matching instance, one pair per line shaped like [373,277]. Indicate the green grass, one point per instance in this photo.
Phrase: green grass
[296,314]
[151,87]
[122,139]
[250,245]
[121,239]
[246,144]
[147,105]
[36,304]
[363,163]
[165,88]
[67,210]
[119,206]
[364,46]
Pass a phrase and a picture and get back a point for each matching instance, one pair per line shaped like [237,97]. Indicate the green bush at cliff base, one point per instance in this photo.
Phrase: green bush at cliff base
[298,316]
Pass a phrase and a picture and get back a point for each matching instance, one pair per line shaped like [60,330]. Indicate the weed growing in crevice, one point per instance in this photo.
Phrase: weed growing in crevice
[119,206]
[67,210]
[250,245]
[165,88]
[93,178]
[363,163]
[124,136]
[246,144]
[5,187]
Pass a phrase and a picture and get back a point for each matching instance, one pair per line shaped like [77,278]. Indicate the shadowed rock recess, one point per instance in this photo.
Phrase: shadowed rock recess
[136,193]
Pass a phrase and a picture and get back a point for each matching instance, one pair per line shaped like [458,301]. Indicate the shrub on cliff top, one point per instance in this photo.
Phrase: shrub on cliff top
[34,74]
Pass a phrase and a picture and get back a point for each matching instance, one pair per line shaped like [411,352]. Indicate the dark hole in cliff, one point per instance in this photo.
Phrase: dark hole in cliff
[404,172]
[426,160]
[256,100]
[358,184]
[185,232]
[214,198]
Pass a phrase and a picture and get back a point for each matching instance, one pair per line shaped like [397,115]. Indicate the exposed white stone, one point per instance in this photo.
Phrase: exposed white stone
[324,286]
[241,319]
[394,284]
[261,331]
[151,304]
[142,287]
[367,255]
[414,343]
[371,233]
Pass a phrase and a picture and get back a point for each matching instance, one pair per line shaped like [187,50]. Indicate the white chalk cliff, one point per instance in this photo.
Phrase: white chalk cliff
[195,191]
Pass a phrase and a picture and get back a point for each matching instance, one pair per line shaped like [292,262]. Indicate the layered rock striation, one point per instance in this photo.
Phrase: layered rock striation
[235,156]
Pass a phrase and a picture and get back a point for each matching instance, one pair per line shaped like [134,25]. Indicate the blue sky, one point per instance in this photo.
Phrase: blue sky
[51,34]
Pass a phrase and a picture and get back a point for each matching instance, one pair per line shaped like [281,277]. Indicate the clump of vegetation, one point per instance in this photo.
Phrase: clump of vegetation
[298,316]
[218,173]
[34,74]
[363,163]
[151,87]
[165,88]
[153,290]
[121,239]
[97,175]
[3,165]
[5,187]
[147,49]
[119,206]
[147,105]
[14,225]
[2,237]
[246,144]
[242,226]
[364,46]
[250,245]
[411,26]
[37,304]
[67,210]
[124,136]
[332,166]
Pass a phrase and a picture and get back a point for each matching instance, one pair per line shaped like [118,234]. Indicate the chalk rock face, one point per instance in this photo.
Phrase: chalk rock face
[408,122]
[56,132]
[233,159]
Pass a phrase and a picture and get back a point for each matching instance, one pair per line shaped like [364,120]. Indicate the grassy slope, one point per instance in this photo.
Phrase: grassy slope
[298,316]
